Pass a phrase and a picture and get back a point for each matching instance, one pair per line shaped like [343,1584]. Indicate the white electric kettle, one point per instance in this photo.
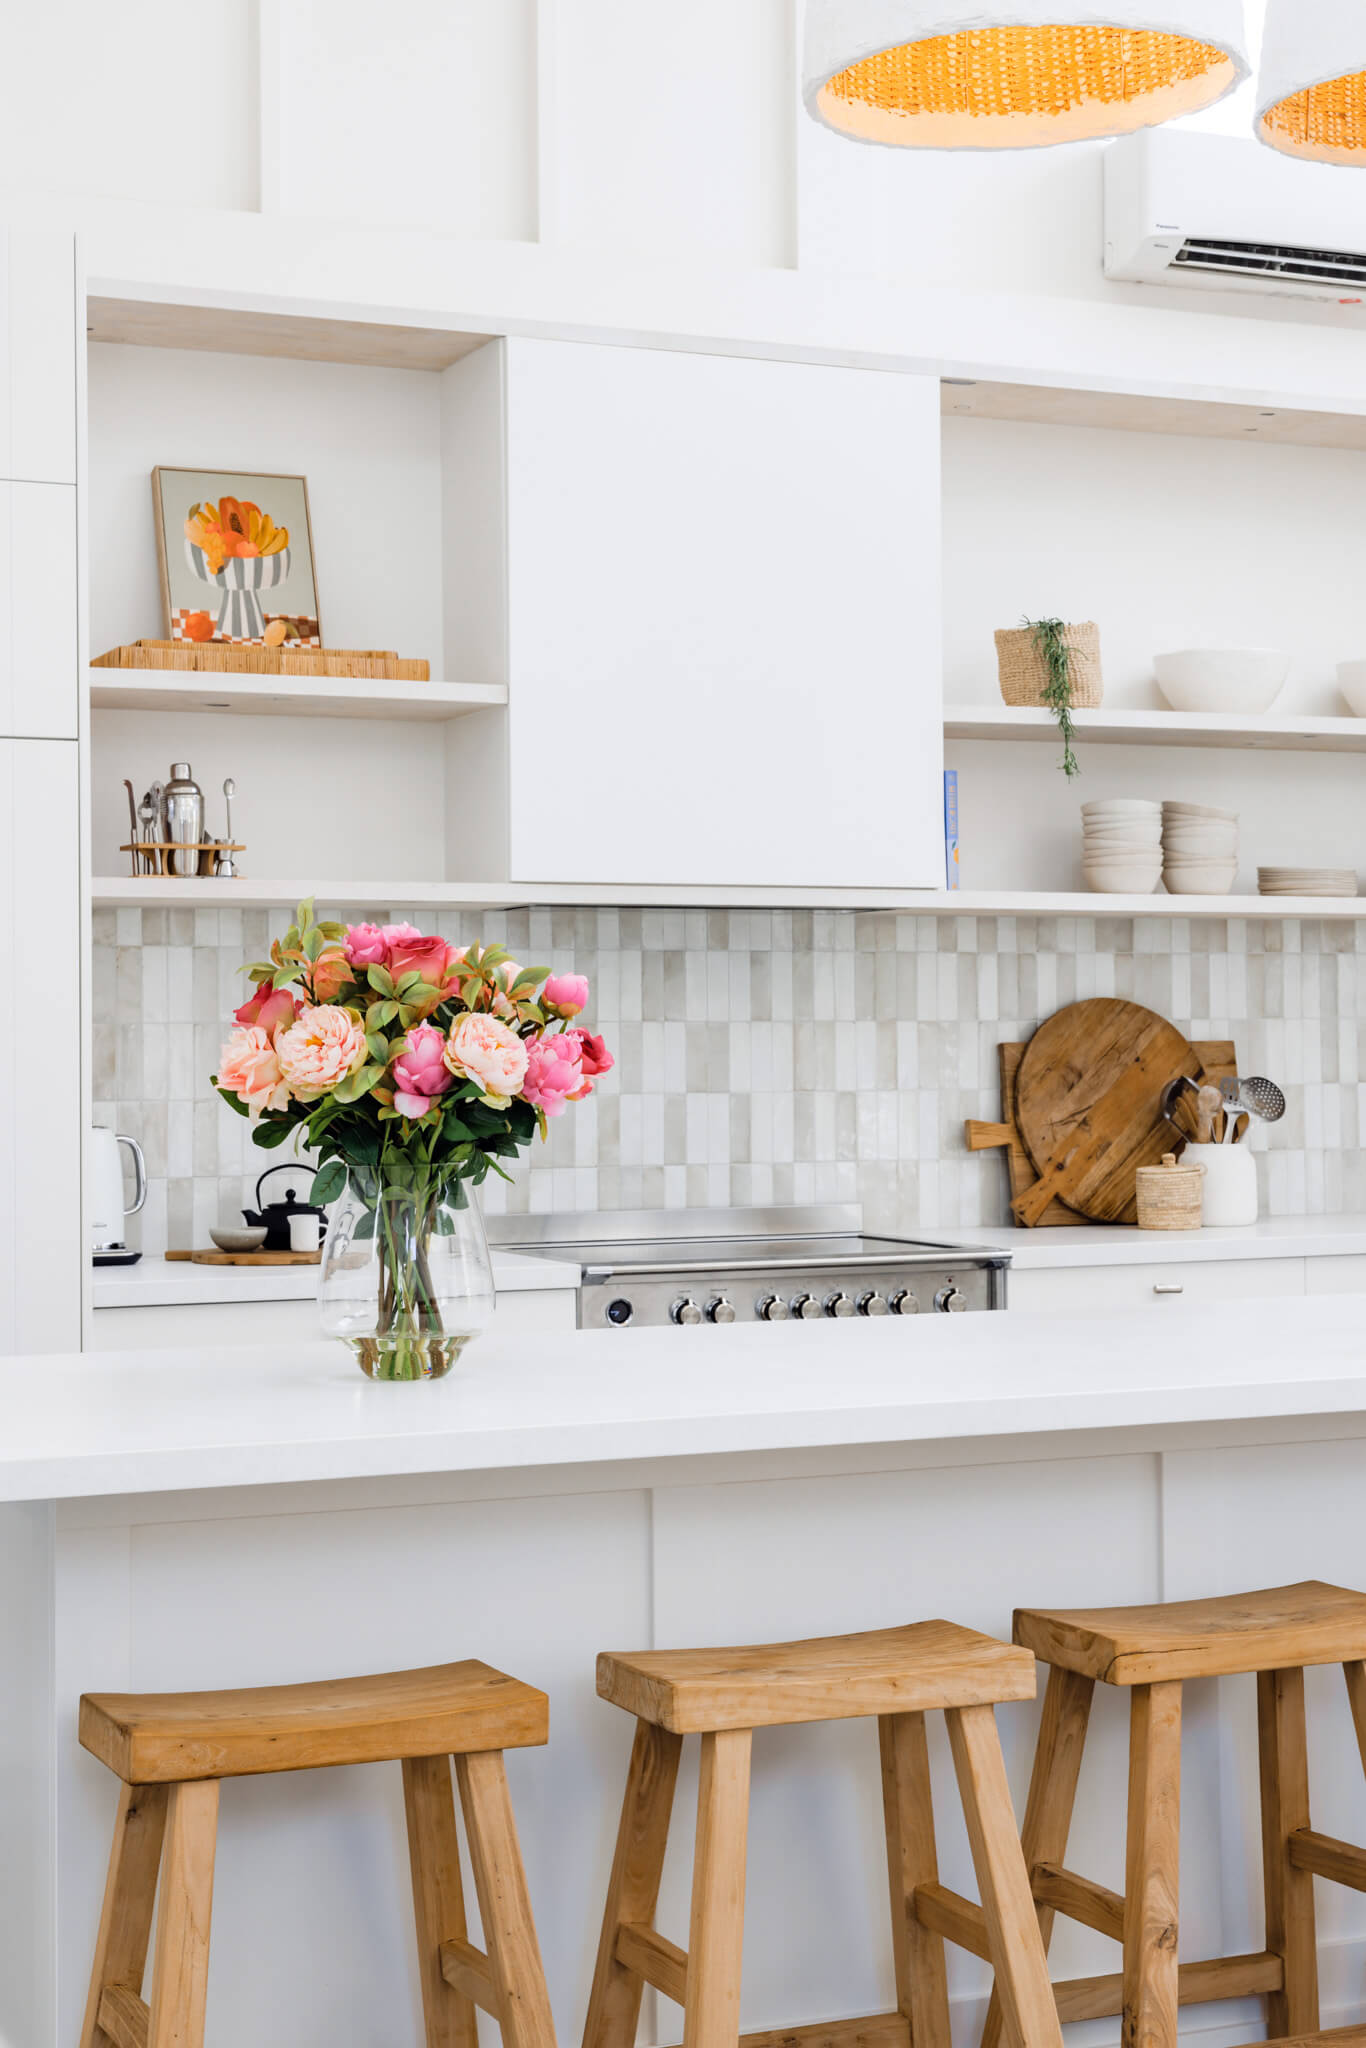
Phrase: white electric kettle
[107,1206]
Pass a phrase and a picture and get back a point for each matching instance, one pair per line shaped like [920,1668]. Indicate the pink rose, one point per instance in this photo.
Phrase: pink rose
[249,1068]
[566,994]
[433,959]
[324,1047]
[420,1071]
[486,1051]
[365,945]
[554,1075]
[270,1008]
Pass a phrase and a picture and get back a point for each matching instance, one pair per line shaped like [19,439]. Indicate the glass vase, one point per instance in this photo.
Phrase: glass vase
[406,1278]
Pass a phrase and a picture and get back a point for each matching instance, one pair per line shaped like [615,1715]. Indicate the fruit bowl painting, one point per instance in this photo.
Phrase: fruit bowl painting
[236,558]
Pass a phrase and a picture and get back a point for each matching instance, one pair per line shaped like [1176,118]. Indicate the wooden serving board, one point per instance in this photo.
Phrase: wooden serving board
[1212,1060]
[378,664]
[217,1258]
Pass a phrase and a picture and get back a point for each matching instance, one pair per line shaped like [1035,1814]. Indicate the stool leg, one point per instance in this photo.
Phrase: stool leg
[922,1991]
[504,1902]
[633,1891]
[129,1897]
[711,2018]
[1289,1892]
[1030,2015]
[1052,1795]
[1152,1867]
[438,1896]
[180,1966]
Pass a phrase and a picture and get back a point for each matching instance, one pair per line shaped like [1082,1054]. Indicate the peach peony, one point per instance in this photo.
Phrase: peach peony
[320,1050]
[249,1068]
[484,1050]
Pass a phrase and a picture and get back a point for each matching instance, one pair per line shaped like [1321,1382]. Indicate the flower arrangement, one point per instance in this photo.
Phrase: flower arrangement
[415,1067]
[234,526]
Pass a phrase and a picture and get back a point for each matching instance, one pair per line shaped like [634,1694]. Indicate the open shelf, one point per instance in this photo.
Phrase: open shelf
[146,893]
[1279,732]
[154,689]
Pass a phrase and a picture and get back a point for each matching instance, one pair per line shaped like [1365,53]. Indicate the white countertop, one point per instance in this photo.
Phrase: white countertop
[124,1422]
[1101,1244]
[153,1283]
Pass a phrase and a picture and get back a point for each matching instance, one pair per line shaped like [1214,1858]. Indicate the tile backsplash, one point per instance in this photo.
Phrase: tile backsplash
[769,1056]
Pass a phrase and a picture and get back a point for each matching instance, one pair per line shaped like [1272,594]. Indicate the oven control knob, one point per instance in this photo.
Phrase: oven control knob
[872,1303]
[772,1309]
[719,1310]
[839,1304]
[950,1302]
[905,1303]
[806,1306]
[685,1311]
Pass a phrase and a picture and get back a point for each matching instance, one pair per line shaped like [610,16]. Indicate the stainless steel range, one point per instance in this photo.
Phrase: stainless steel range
[642,1268]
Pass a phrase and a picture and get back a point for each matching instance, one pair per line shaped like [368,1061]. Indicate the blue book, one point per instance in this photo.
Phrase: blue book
[951,869]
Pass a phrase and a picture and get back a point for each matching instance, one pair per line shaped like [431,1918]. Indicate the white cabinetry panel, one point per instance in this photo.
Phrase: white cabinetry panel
[38,607]
[724,621]
[40,1052]
[1096,1290]
[1341,1274]
[38,357]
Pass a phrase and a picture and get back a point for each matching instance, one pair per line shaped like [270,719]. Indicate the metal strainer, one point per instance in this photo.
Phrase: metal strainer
[1255,1096]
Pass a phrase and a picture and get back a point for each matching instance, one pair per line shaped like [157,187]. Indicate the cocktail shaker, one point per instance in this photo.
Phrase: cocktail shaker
[182,812]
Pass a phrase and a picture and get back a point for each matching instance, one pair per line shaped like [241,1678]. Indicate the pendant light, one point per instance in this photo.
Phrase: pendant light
[1311,95]
[1016,74]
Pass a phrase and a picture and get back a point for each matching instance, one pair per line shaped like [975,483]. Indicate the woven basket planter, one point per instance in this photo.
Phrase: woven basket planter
[1024,672]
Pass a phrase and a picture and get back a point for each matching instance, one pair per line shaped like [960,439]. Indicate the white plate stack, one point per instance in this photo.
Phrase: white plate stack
[1306,882]
[1199,849]
[1122,846]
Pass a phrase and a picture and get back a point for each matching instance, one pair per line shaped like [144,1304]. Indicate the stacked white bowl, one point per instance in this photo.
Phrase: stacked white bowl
[1122,846]
[1306,882]
[1199,849]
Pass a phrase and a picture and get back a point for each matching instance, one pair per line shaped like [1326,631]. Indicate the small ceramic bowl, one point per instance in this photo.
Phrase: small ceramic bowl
[1232,679]
[239,1240]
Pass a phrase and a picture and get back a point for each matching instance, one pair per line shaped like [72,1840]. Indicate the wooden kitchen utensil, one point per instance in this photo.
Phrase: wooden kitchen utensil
[248,1258]
[1214,1058]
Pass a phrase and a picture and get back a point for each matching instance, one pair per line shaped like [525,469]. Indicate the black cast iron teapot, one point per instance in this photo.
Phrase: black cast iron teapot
[275,1215]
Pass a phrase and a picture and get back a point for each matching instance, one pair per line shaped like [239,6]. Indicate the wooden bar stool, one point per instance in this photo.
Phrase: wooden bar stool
[897,1675]
[171,1749]
[1153,1650]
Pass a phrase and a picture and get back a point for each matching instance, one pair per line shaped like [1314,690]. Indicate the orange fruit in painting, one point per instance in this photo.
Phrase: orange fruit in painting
[198,626]
[274,635]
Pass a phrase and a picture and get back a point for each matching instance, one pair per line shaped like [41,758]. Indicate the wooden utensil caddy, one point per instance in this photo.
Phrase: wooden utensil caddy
[162,848]
[1106,1134]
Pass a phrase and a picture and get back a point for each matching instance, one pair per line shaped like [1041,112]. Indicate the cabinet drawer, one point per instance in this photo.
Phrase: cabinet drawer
[1098,1290]
[38,611]
[1345,1274]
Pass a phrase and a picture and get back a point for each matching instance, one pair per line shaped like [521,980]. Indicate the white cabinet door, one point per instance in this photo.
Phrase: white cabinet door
[724,646]
[41,1246]
[38,611]
[37,356]
[1339,1273]
[1118,1290]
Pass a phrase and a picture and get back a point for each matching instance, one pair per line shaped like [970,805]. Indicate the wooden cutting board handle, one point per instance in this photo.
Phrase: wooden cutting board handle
[986,1137]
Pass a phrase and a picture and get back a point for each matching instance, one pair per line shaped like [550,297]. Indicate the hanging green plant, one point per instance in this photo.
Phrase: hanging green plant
[1054,650]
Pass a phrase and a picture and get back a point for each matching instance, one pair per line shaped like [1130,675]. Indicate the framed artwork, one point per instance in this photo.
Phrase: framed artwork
[236,558]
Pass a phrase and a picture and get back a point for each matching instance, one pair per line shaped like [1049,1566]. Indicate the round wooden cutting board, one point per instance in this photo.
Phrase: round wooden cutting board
[1088,1105]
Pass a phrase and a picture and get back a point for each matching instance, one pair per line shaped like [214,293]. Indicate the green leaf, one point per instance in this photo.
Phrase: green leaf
[328,1183]
[304,913]
[269,1136]
[379,1047]
[380,1013]
[380,980]
[313,944]
[332,931]
[233,1101]
[529,977]
[357,1084]
[407,981]
[284,976]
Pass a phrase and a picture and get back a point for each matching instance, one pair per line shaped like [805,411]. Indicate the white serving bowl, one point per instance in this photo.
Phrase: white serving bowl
[1200,812]
[1240,679]
[1201,878]
[1121,806]
[1352,683]
[1122,878]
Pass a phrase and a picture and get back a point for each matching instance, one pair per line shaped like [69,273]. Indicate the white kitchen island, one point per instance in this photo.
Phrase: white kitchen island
[248,1516]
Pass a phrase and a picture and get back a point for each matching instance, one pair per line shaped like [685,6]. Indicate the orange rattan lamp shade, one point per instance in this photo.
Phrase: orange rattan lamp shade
[1311,96]
[932,75]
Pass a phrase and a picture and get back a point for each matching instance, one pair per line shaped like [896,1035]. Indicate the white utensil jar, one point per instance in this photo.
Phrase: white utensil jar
[1230,1183]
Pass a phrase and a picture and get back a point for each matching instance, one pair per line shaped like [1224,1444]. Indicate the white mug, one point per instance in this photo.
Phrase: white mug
[305,1233]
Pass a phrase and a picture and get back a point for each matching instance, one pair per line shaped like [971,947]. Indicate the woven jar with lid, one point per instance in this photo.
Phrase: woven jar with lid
[1170,1196]
[1024,670]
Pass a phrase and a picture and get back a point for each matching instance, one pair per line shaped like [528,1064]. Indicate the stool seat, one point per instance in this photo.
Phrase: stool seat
[1281,1628]
[925,1666]
[178,1737]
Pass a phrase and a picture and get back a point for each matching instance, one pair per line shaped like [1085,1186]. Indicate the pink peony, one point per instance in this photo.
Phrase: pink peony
[420,1071]
[566,994]
[249,1068]
[554,1075]
[365,946]
[270,1008]
[324,1047]
[484,1050]
[594,1057]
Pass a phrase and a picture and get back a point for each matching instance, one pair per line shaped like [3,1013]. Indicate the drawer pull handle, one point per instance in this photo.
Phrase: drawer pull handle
[1167,1287]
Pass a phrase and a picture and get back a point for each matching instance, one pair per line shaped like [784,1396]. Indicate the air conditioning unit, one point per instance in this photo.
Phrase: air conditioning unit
[1194,210]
